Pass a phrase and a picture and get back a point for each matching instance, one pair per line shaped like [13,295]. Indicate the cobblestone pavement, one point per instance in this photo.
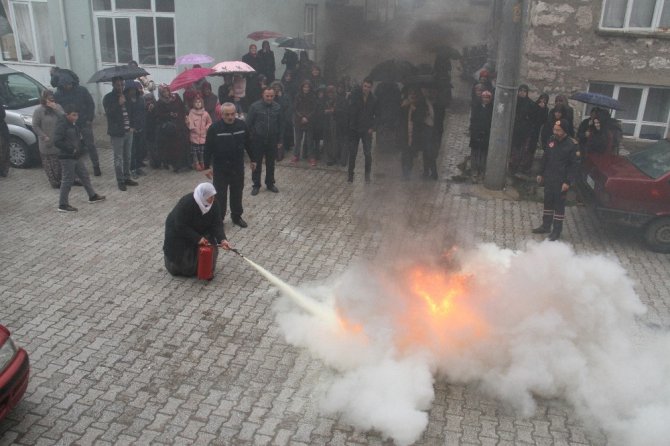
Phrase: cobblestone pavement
[123,353]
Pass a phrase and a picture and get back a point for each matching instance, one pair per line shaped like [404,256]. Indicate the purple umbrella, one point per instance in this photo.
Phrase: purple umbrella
[192,59]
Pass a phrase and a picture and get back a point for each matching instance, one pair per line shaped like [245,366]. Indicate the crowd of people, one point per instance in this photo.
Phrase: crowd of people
[536,125]
[533,127]
[300,114]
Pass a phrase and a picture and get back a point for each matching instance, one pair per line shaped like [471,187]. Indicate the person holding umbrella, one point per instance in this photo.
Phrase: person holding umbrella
[120,131]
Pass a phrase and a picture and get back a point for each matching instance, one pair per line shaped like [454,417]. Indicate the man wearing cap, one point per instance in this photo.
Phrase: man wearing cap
[558,171]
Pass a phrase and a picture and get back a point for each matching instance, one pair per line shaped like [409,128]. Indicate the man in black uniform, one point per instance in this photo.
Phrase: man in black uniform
[225,144]
[266,125]
[558,172]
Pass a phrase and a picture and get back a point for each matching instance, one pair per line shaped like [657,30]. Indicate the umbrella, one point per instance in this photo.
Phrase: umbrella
[188,77]
[264,35]
[392,70]
[125,72]
[597,99]
[192,59]
[232,67]
[296,42]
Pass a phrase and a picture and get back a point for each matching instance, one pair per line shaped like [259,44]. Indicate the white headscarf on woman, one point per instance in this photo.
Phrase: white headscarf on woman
[203,192]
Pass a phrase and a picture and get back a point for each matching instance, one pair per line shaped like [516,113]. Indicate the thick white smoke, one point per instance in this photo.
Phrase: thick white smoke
[538,322]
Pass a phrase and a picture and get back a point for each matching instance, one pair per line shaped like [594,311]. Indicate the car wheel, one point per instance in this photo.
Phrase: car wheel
[19,156]
[657,235]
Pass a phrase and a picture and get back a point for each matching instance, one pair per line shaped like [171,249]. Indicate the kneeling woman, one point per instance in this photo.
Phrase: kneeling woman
[195,221]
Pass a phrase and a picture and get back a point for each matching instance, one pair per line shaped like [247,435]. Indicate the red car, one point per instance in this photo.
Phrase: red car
[14,370]
[633,190]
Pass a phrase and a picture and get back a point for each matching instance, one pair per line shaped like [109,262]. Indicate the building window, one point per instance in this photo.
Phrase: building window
[635,15]
[25,31]
[380,10]
[140,30]
[646,110]
[310,24]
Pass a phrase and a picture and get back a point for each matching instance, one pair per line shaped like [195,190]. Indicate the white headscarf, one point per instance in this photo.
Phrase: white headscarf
[202,192]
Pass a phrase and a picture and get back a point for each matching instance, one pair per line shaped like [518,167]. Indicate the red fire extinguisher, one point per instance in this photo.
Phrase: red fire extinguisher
[206,262]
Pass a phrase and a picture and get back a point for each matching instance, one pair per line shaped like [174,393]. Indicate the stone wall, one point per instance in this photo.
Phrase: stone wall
[564,50]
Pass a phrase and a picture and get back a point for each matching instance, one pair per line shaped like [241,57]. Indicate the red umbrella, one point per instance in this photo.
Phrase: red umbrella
[188,77]
[264,35]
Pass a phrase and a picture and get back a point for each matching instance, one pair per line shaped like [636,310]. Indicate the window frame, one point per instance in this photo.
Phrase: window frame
[133,15]
[626,28]
[639,121]
[11,4]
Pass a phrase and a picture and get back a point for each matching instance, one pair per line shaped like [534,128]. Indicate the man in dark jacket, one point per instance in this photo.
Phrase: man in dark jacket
[70,92]
[480,132]
[68,139]
[362,115]
[557,173]
[266,125]
[523,124]
[120,130]
[225,144]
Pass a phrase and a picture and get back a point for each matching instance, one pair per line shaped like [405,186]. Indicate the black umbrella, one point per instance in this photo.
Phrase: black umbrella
[597,99]
[125,72]
[392,70]
[296,42]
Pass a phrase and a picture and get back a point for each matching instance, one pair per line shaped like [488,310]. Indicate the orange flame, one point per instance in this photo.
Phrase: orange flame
[439,313]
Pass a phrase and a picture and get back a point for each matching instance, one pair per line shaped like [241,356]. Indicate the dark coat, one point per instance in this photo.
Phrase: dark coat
[290,59]
[362,114]
[81,99]
[67,138]
[265,122]
[523,119]
[480,125]
[304,106]
[225,145]
[186,225]
[171,131]
[267,64]
[114,112]
[421,132]
[559,163]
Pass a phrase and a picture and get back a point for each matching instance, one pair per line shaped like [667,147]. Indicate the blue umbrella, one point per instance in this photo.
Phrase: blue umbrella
[597,99]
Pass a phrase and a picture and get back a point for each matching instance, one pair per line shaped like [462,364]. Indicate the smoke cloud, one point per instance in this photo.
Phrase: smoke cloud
[542,322]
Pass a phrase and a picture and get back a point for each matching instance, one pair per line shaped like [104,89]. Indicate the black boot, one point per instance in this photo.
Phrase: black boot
[556,232]
[546,225]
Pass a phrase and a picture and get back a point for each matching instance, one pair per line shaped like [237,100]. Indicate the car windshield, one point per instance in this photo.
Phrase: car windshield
[653,161]
[19,91]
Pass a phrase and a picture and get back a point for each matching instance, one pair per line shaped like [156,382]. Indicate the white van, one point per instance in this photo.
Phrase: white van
[20,95]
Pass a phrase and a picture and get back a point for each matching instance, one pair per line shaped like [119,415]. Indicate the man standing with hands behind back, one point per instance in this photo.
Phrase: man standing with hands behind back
[266,126]
[225,144]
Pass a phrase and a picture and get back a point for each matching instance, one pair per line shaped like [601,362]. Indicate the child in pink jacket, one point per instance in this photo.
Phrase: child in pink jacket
[198,121]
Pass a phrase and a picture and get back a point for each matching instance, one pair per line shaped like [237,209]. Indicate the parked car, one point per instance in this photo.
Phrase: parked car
[20,95]
[14,371]
[633,190]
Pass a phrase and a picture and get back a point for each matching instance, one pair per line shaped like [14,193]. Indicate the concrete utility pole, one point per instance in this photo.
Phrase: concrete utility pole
[509,57]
